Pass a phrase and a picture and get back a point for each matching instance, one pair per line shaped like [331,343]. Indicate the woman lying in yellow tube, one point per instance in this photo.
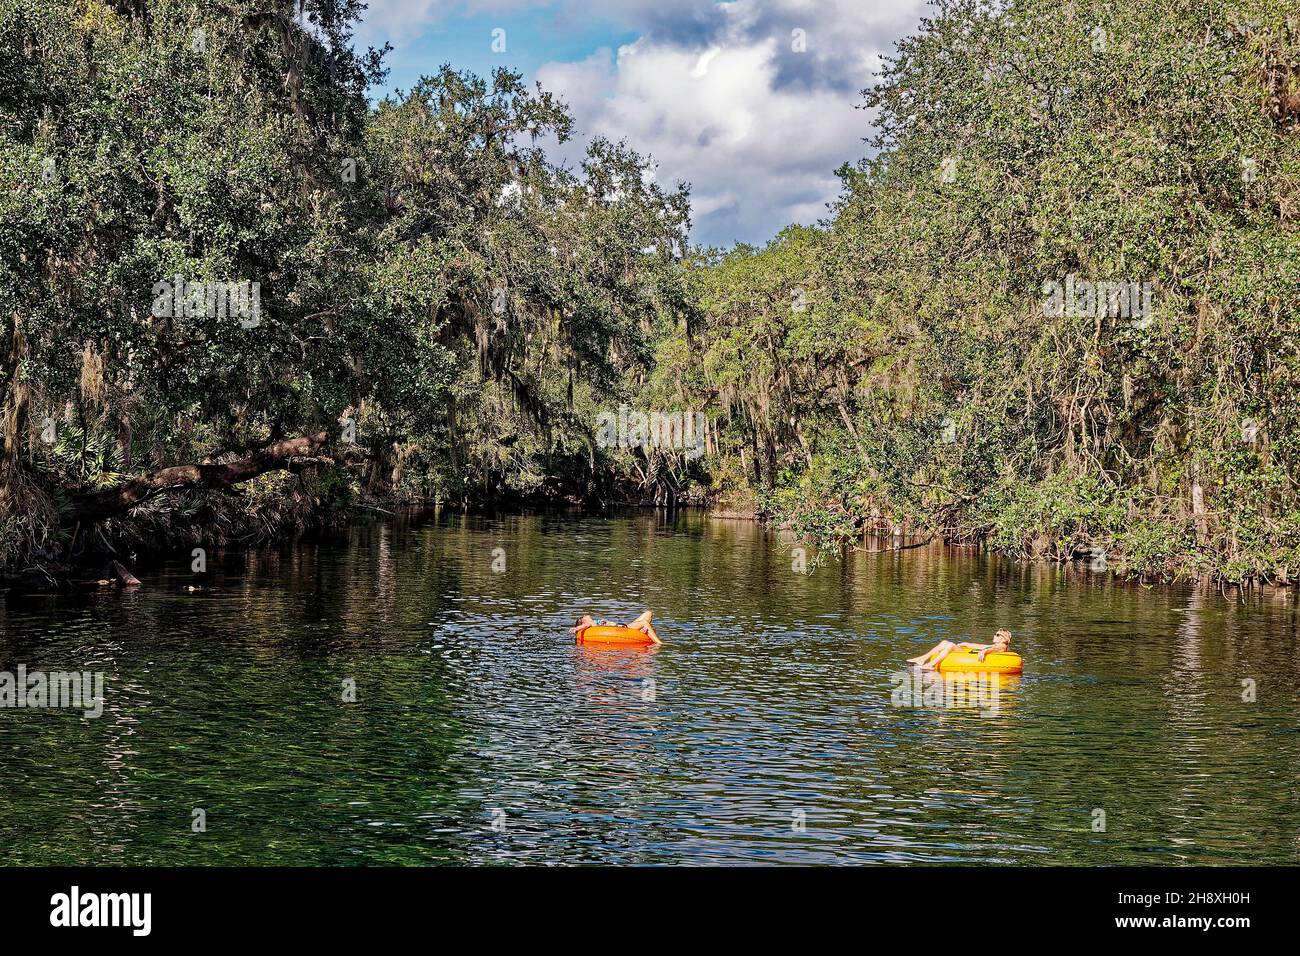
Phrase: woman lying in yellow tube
[931,658]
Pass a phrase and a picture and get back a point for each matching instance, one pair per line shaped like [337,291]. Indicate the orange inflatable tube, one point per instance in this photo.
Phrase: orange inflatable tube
[609,634]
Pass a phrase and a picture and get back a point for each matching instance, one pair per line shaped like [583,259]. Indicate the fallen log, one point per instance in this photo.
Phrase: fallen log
[901,547]
[119,572]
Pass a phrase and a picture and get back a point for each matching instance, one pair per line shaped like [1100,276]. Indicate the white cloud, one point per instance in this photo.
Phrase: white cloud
[702,64]
[584,84]
[759,148]
[386,20]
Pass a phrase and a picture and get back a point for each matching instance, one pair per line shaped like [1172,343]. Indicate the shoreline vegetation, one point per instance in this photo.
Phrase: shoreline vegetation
[1054,314]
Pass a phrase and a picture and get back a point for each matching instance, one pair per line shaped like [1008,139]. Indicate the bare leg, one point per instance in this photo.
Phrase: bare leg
[934,655]
[643,625]
[946,648]
[941,646]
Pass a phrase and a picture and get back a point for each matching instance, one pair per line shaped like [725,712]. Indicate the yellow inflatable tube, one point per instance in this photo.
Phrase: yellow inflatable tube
[995,662]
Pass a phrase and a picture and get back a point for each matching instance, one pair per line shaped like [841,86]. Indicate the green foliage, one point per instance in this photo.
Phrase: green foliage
[90,457]
[1057,517]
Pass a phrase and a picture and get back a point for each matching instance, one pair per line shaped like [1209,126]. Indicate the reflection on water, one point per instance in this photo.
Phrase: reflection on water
[763,731]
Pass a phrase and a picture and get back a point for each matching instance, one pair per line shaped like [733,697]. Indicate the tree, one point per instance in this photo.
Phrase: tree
[220,261]
[1146,158]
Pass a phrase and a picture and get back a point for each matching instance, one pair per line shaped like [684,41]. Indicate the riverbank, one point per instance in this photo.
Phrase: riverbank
[197,525]
[269,511]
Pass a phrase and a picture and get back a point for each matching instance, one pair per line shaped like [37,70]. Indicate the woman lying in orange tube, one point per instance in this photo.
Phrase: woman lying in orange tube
[641,624]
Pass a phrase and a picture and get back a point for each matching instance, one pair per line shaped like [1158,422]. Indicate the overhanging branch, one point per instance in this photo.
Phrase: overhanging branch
[99,505]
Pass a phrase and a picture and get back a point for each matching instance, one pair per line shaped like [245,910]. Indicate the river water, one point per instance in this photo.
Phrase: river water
[1151,726]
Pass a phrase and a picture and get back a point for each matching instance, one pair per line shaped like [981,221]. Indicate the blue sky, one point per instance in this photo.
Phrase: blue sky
[753,102]
[534,36]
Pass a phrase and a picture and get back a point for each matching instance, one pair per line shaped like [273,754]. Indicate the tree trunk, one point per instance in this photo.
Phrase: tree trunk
[1198,512]
[99,505]
[13,412]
